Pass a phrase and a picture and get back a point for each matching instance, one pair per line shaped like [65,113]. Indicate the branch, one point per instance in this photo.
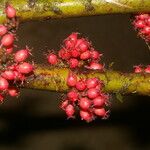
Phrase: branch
[54,79]
[39,9]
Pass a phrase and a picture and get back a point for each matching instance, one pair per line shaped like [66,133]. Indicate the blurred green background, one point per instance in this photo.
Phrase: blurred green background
[34,121]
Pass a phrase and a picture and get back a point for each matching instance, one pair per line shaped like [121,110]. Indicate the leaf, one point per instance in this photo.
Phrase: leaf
[119,97]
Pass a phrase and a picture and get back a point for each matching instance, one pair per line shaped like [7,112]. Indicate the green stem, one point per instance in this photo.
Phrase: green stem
[54,79]
[39,9]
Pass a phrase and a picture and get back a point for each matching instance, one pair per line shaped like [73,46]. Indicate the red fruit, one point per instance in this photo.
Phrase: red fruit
[73,62]
[75,53]
[21,55]
[148,21]
[142,16]
[92,82]
[7,40]
[8,74]
[147,69]
[96,66]
[1,98]
[21,77]
[9,49]
[71,80]
[139,24]
[146,30]
[24,68]
[81,85]
[3,84]
[64,104]
[12,67]
[52,59]
[95,54]
[85,55]
[72,95]
[85,115]
[64,54]
[82,45]
[138,69]
[84,103]
[73,38]
[70,111]
[3,30]
[99,101]
[13,92]
[101,112]
[93,93]
[10,11]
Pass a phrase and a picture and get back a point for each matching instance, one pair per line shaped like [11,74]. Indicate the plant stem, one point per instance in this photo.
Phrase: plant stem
[54,79]
[39,9]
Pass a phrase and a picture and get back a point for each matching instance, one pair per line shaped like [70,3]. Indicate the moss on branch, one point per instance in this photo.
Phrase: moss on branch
[39,9]
[54,79]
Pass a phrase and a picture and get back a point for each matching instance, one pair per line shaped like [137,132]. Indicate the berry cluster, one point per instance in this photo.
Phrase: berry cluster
[142,24]
[85,94]
[140,69]
[13,66]
[77,53]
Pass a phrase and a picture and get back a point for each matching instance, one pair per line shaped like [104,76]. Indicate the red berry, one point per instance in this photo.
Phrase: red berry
[138,69]
[92,82]
[96,66]
[101,112]
[142,16]
[139,24]
[72,95]
[70,111]
[3,30]
[10,11]
[64,104]
[85,55]
[7,40]
[24,68]
[148,21]
[93,93]
[146,30]
[3,84]
[21,55]
[13,92]
[85,115]
[147,69]
[71,80]
[75,53]
[73,62]
[95,54]
[84,103]
[52,59]
[81,85]
[8,74]
[99,101]
[1,98]
[64,54]
[82,45]
[73,38]
[9,49]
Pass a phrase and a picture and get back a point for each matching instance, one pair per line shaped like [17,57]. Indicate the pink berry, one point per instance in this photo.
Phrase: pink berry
[1,98]
[146,30]
[82,45]
[101,112]
[64,54]
[73,37]
[99,101]
[52,59]
[75,53]
[64,104]
[85,115]
[96,66]
[10,11]
[92,82]
[73,62]
[95,54]
[71,80]
[24,68]
[93,93]
[21,55]
[3,30]
[9,49]
[84,103]
[139,24]
[70,110]
[147,69]
[85,55]
[13,92]
[7,40]
[138,69]
[148,21]
[81,85]
[8,75]
[72,95]
[143,16]
[3,84]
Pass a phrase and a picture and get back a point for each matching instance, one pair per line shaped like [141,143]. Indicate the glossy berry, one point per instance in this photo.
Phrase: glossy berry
[81,85]
[24,68]
[99,101]
[64,104]
[73,63]
[3,30]
[93,93]
[85,55]
[7,40]
[96,66]
[9,49]
[92,82]
[72,95]
[13,92]
[75,53]
[64,54]
[95,54]
[85,115]
[8,74]
[52,59]
[70,111]
[84,103]
[140,24]
[71,80]
[21,55]
[101,112]
[10,11]
[82,45]
[3,84]
[73,38]
[138,69]
[1,98]
[147,69]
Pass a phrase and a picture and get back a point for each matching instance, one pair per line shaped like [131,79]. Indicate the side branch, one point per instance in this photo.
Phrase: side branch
[39,9]
[54,79]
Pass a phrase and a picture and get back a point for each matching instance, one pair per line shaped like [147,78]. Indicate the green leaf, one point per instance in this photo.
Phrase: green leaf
[119,97]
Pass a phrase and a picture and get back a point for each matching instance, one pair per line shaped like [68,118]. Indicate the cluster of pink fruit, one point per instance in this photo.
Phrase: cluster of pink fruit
[13,66]
[84,94]
[140,69]
[77,52]
[142,24]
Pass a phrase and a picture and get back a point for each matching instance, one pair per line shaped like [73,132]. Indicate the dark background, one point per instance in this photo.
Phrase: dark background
[34,121]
